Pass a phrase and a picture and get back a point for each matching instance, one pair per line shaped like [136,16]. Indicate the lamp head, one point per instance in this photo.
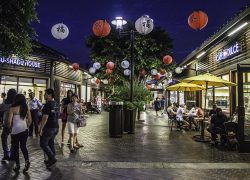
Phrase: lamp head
[119,22]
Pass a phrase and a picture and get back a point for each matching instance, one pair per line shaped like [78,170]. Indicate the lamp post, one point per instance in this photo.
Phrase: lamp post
[143,25]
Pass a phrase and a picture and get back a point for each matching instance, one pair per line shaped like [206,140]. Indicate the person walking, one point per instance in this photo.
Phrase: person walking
[74,111]
[35,106]
[19,120]
[4,110]
[163,101]
[3,96]
[49,127]
[65,103]
[157,104]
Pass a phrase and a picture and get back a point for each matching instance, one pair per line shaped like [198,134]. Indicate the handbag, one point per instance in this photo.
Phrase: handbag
[82,121]
[63,116]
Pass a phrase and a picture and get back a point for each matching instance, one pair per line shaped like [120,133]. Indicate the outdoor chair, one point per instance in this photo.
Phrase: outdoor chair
[171,121]
[231,141]
[92,108]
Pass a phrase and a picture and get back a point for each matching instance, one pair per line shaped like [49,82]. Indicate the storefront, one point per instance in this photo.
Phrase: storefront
[220,55]
[45,68]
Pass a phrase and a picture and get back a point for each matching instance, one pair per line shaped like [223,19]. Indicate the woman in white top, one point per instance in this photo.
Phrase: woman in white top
[19,121]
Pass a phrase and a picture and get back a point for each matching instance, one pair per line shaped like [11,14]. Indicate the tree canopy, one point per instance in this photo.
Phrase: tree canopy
[149,51]
[16,31]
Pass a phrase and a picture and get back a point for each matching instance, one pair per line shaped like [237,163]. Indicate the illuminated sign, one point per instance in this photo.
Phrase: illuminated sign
[20,62]
[225,53]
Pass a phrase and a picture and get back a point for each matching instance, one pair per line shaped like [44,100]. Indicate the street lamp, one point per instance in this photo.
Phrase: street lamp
[143,25]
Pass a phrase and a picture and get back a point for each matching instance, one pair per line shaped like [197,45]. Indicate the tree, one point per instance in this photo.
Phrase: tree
[149,51]
[16,31]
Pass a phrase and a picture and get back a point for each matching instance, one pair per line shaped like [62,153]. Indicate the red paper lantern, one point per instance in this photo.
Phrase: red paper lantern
[110,81]
[198,20]
[142,72]
[101,28]
[167,59]
[75,66]
[97,81]
[109,71]
[157,76]
[162,71]
[110,65]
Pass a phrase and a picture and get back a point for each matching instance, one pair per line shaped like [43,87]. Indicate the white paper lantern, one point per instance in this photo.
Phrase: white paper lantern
[97,65]
[126,72]
[154,72]
[125,64]
[178,70]
[60,31]
[92,70]
[144,25]
[105,81]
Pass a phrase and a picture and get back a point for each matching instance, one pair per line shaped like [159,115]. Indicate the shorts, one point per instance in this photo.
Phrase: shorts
[72,128]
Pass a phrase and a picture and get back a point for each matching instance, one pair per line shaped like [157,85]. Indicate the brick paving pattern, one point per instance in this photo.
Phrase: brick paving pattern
[153,152]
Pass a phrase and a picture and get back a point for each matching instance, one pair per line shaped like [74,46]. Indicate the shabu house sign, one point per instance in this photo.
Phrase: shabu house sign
[228,52]
[20,62]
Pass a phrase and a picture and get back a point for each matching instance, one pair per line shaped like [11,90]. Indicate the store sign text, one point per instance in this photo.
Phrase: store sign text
[225,53]
[20,62]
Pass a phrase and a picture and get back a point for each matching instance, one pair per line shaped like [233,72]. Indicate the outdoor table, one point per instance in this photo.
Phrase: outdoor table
[201,122]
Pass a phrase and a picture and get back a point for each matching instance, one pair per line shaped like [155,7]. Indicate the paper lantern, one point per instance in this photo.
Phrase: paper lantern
[75,66]
[125,64]
[157,76]
[101,28]
[142,72]
[126,72]
[144,25]
[109,71]
[167,59]
[110,65]
[97,65]
[153,72]
[178,70]
[92,70]
[97,81]
[198,20]
[162,71]
[60,31]
[105,81]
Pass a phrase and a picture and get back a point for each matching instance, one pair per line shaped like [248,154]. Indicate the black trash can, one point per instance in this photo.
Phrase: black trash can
[129,121]
[116,119]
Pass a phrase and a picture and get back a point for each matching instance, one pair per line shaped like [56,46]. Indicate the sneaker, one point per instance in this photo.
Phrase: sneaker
[46,162]
[51,163]
[16,168]
[27,166]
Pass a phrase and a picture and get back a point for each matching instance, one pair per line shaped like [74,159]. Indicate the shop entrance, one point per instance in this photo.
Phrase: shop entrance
[243,71]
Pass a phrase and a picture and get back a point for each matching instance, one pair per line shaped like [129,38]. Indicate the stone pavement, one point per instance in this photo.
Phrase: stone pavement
[153,152]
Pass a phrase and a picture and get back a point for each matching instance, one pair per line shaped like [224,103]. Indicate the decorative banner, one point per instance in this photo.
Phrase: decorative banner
[110,65]
[153,72]
[167,59]
[144,25]
[125,64]
[101,28]
[97,65]
[178,70]
[92,70]
[126,72]
[60,31]
[75,66]
[198,20]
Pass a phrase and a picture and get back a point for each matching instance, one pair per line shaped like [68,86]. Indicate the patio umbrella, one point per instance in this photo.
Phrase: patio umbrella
[207,79]
[185,87]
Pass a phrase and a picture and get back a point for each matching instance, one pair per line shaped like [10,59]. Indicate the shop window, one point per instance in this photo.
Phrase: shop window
[40,82]
[222,99]
[173,97]
[65,87]
[246,95]
[209,104]
[9,80]
[25,81]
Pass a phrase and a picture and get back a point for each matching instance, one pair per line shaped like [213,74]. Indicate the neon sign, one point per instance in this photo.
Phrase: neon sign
[225,53]
[20,62]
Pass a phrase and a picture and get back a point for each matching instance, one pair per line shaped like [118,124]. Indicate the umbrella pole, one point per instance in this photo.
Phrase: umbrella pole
[202,124]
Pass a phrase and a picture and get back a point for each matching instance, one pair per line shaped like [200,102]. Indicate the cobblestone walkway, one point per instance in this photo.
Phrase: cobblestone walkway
[153,152]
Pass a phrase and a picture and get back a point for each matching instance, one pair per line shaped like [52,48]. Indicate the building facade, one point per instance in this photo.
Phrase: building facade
[227,55]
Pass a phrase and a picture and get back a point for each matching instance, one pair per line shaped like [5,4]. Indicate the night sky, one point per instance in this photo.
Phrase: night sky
[172,15]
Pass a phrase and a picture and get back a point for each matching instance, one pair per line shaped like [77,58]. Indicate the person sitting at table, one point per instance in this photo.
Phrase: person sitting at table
[235,116]
[191,114]
[217,126]
[171,111]
[181,123]
[213,111]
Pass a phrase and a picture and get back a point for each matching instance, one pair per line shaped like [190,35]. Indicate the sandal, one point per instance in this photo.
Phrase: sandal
[27,166]
[80,145]
[76,147]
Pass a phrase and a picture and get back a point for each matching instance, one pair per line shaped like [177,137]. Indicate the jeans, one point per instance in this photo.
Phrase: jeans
[35,119]
[191,120]
[4,137]
[217,130]
[47,142]
[20,139]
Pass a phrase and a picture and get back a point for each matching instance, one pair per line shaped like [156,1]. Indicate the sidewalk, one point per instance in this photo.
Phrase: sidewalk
[153,152]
